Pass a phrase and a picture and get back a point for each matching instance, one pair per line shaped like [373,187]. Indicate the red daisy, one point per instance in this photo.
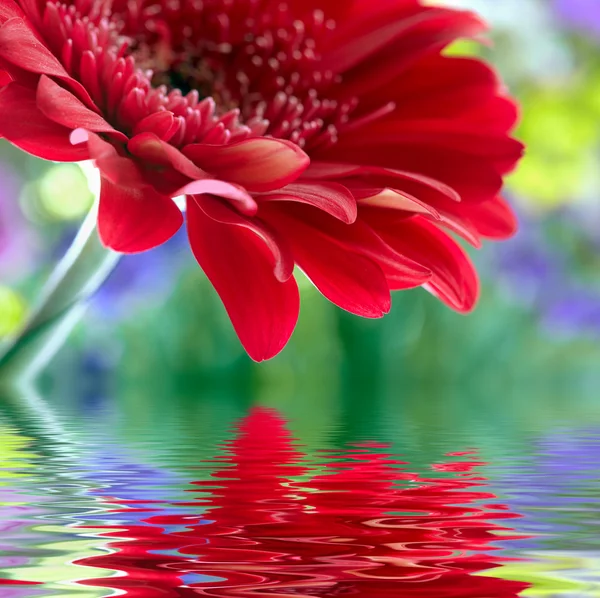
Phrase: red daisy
[333,136]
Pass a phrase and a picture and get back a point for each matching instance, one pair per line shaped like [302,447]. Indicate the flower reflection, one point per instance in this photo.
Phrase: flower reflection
[269,523]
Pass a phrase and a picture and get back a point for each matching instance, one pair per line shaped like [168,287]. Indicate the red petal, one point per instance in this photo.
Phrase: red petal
[223,213]
[415,184]
[162,124]
[350,280]
[19,46]
[436,84]
[494,219]
[25,126]
[474,178]
[9,10]
[455,135]
[424,33]
[333,198]
[361,39]
[263,310]
[356,238]
[454,278]
[149,147]
[393,199]
[259,164]
[236,196]
[64,108]
[462,227]
[132,220]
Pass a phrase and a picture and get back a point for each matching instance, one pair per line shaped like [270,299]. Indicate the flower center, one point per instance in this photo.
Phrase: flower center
[224,68]
[264,66]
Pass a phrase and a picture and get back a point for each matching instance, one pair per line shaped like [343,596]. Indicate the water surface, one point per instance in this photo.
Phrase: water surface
[223,498]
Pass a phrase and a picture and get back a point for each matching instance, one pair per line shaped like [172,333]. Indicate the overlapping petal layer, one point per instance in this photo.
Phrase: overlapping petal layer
[335,136]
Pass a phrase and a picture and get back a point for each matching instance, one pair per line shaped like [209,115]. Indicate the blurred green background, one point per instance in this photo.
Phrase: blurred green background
[539,316]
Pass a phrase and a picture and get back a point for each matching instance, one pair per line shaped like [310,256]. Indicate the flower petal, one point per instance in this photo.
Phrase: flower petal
[474,178]
[150,147]
[132,220]
[416,184]
[333,198]
[393,199]
[9,10]
[494,219]
[454,279]
[236,196]
[19,46]
[454,135]
[407,40]
[25,126]
[349,280]
[263,310]
[277,245]
[259,165]
[162,124]
[62,107]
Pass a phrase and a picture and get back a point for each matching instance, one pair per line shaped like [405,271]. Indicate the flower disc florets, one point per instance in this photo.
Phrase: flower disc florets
[332,136]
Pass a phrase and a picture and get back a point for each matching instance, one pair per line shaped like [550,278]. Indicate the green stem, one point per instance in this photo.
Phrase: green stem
[76,278]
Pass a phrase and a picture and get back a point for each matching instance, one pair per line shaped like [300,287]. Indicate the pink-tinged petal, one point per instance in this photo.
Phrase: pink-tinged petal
[333,198]
[132,220]
[236,196]
[62,107]
[149,147]
[259,165]
[393,199]
[454,279]
[462,227]
[25,126]
[349,280]
[277,245]
[494,219]
[119,170]
[263,310]
[5,78]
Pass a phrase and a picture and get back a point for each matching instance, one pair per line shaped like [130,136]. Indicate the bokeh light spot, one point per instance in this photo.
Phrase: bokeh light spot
[64,192]
[12,311]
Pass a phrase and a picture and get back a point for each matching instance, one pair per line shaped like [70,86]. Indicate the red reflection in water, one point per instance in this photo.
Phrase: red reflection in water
[361,526]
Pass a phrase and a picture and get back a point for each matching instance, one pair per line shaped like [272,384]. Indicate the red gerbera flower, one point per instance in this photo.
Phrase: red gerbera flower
[330,135]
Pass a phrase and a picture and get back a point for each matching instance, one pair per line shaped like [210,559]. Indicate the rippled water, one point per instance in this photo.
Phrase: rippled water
[214,500]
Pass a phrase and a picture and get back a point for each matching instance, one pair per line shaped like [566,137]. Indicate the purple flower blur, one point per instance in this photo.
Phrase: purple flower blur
[539,274]
[580,14]
[17,243]
[142,279]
